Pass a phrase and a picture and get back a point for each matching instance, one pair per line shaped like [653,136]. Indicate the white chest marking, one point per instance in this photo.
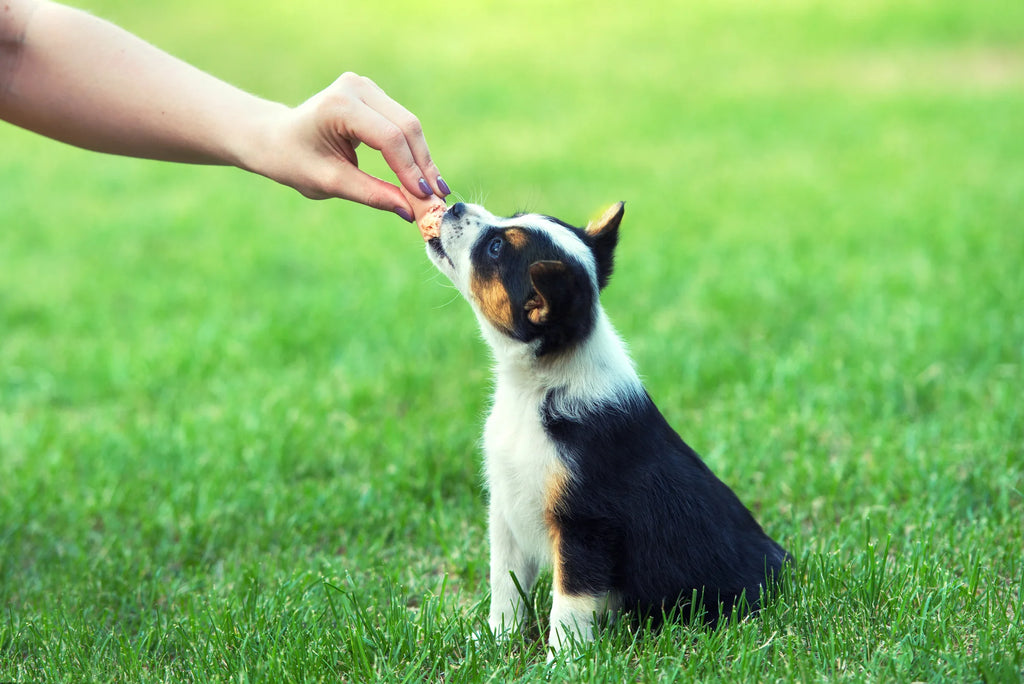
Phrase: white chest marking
[521,464]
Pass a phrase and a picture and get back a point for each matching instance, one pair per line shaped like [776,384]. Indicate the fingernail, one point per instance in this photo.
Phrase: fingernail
[425,188]
[404,214]
[443,187]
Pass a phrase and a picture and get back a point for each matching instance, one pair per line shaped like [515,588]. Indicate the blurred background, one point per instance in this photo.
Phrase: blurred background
[819,276]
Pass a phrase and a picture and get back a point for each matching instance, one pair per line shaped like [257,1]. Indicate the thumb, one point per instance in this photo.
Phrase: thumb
[373,192]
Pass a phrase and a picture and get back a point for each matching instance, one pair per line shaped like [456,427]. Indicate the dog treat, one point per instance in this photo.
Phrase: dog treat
[427,212]
[430,222]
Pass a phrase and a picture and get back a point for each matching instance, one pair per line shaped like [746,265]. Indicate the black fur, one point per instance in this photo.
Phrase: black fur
[569,293]
[645,517]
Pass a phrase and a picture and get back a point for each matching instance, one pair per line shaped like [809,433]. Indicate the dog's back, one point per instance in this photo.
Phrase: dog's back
[646,511]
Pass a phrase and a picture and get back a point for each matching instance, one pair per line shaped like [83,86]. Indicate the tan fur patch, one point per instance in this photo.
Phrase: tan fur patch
[537,310]
[557,483]
[516,237]
[557,580]
[492,298]
[598,226]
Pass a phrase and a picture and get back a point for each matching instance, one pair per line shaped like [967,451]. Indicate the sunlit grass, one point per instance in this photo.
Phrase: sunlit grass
[239,430]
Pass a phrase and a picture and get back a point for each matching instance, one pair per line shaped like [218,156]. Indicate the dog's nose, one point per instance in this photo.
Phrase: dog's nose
[457,210]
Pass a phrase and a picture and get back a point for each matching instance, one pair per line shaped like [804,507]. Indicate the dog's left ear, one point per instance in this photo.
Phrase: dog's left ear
[552,290]
[604,235]
[561,304]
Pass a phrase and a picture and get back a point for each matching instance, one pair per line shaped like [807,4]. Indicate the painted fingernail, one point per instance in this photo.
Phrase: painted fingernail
[404,214]
[443,187]
[425,188]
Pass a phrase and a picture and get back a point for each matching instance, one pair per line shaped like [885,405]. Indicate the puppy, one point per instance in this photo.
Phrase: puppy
[584,473]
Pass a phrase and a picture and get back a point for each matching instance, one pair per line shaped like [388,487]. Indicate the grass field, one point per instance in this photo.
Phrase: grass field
[238,429]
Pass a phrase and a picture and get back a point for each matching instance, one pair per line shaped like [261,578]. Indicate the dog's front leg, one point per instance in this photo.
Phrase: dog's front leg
[574,618]
[510,564]
[577,605]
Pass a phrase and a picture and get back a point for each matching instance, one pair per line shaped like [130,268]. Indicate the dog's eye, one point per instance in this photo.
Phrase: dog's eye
[494,248]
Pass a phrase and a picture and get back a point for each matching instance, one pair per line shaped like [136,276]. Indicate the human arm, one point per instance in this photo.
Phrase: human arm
[82,80]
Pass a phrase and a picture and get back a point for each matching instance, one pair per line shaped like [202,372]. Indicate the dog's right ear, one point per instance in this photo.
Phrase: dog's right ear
[560,305]
[604,235]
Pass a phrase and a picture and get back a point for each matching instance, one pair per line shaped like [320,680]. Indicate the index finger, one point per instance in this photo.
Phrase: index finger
[412,131]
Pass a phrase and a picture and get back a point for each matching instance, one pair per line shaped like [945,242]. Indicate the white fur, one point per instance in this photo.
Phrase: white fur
[574,618]
[520,462]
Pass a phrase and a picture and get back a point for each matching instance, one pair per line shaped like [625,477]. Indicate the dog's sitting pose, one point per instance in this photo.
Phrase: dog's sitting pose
[584,473]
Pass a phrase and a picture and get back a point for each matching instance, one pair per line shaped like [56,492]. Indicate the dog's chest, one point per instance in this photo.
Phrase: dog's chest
[523,470]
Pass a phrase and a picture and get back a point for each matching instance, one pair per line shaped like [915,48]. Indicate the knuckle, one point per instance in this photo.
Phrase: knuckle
[412,125]
[353,81]
[377,200]
[345,88]
[392,136]
[339,99]
[349,78]
[318,187]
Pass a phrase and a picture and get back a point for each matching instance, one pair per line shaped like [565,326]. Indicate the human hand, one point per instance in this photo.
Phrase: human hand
[312,147]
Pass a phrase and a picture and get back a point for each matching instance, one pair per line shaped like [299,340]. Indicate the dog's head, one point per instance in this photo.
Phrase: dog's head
[532,280]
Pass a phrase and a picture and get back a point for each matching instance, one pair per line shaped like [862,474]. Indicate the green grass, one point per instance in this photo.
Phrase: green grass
[239,429]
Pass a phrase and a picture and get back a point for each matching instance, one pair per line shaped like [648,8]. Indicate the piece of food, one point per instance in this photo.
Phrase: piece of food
[430,221]
[427,212]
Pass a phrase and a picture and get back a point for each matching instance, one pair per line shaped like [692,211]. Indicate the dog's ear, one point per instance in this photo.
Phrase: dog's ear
[550,281]
[561,304]
[560,297]
[604,235]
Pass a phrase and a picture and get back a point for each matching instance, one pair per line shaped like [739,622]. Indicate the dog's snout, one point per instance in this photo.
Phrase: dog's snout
[457,210]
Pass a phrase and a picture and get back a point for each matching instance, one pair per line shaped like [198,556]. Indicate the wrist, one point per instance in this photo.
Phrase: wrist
[254,145]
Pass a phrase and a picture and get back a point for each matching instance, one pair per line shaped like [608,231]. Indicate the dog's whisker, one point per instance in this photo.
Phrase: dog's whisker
[448,303]
[440,279]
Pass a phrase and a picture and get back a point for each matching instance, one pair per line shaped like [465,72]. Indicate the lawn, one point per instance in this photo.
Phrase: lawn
[239,429]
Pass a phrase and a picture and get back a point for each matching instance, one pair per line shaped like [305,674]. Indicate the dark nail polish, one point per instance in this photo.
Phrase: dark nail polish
[425,188]
[443,187]
[404,214]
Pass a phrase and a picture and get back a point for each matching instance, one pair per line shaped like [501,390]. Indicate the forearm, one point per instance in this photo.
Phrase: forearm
[79,79]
